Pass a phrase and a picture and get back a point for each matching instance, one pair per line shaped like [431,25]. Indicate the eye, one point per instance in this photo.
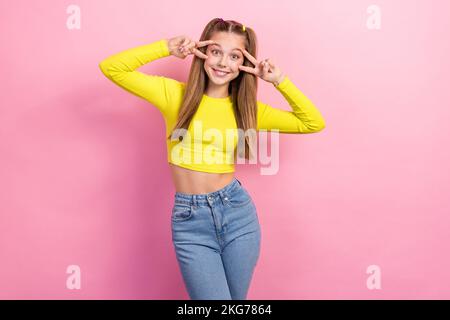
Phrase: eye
[237,57]
[214,51]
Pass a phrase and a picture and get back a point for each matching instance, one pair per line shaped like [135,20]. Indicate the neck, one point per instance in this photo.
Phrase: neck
[217,91]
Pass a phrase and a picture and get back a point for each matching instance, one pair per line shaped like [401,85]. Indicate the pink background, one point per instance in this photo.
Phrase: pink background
[84,179]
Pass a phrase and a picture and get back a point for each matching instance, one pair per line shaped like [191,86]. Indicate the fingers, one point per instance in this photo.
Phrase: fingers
[200,44]
[271,63]
[200,54]
[250,57]
[204,43]
[183,48]
[261,68]
[188,47]
[185,42]
[265,66]
[249,69]
[252,70]
[262,63]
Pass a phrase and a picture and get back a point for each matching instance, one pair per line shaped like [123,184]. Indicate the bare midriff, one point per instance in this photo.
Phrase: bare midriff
[198,182]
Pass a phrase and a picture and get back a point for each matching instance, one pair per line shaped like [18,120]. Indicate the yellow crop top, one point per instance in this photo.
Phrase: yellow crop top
[212,133]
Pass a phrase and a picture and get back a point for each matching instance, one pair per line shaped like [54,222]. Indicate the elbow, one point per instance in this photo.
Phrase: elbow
[110,70]
[321,125]
[318,126]
[104,68]
[311,127]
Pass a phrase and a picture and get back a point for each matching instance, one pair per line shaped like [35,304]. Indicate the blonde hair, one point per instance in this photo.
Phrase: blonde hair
[242,89]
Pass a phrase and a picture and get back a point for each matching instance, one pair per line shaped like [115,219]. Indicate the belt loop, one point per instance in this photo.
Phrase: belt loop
[224,195]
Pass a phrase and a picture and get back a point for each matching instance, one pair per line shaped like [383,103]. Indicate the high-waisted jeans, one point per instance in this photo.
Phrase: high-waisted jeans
[217,238]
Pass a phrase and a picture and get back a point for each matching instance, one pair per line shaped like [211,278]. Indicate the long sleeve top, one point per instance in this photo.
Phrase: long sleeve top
[209,143]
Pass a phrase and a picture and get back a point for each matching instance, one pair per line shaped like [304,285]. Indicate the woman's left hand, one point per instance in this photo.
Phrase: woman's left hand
[265,69]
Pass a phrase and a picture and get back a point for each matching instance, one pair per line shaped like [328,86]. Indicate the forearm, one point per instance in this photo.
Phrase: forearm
[131,59]
[302,107]
[160,91]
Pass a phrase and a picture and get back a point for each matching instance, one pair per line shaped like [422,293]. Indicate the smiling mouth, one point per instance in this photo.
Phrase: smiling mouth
[220,73]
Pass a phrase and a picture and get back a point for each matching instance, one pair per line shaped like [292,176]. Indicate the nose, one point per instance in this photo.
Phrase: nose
[222,61]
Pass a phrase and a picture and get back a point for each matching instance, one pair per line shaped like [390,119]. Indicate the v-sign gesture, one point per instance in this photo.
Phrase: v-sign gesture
[265,69]
[182,46]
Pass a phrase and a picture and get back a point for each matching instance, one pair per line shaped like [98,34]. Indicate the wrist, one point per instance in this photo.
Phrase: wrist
[171,45]
[279,80]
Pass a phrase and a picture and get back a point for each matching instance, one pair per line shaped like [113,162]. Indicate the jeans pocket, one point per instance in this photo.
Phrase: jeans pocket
[238,198]
[181,212]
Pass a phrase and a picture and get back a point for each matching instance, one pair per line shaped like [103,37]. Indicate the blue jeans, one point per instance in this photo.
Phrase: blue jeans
[217,238]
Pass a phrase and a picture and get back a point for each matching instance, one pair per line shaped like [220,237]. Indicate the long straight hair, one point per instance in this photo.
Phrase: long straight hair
[242,89]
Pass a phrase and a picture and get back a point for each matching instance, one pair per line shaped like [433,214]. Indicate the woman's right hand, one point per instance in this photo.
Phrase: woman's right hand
[182,46]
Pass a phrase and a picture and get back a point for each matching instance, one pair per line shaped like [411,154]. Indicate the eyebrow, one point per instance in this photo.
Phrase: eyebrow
[215,44]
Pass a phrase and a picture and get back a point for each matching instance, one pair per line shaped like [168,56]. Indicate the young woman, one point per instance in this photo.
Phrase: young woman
[215,226]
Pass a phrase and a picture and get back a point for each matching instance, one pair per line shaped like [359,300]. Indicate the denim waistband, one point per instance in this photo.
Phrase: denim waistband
[204,198]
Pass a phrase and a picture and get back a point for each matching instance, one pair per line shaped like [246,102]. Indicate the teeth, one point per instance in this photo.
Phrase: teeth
[220,72]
